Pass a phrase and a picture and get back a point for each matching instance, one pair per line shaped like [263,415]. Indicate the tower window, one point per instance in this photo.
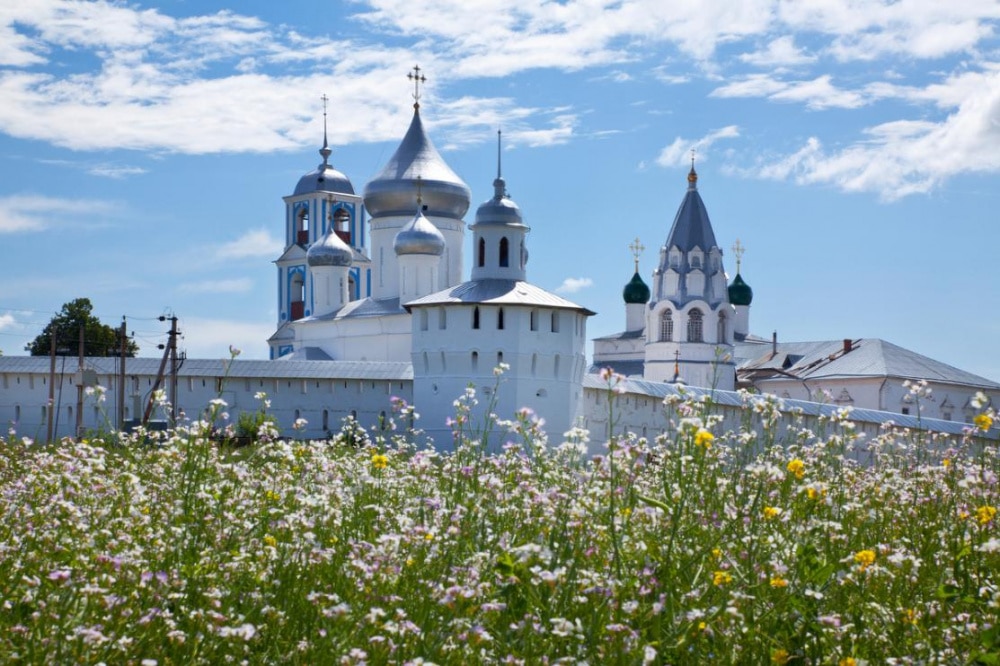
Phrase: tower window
[443,318]
[722,328]
[533,320]
[695,321]
[500,319]
[475,317]
[423,319]
[555,322]
[475,361]
[481,260]
[666,326]
[302,227]
[504,252]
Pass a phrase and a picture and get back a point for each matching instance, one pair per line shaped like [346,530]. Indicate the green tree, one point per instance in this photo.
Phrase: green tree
[98,339]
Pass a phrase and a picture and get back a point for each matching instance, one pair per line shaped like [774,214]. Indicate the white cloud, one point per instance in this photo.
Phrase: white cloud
[818,93]
[115,171]
[230,286]
[571,285]
[7,320]
[211,338]
[906,156]
[780,51]
[252,244]
[679,151]
[27,212]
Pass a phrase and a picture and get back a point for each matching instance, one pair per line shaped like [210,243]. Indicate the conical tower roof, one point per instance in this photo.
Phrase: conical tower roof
[691,227]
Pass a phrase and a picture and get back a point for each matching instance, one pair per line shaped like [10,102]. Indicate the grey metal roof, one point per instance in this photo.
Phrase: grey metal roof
[627,368]
[624,335]
[236,368]
[394,190]
[661,390]
[495,291]
[284,332]
[306,354]
[868,357]
[365,307]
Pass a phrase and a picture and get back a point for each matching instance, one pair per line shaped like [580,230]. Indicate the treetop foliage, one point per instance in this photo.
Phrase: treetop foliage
[98,339]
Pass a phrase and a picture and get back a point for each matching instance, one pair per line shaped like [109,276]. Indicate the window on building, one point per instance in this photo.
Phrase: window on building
[481,259]
[666,326]
[555,322]
[533,320]
[442,318]
[423,319]
[302,226]
[475,317]
[695,323]
[504,252]
[499,357]
[722,332]
[500,319]
[475,361]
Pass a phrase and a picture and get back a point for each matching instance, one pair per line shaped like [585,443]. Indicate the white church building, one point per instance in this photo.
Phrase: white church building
[373,304]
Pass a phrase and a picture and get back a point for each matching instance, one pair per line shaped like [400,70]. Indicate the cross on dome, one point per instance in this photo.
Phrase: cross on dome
[637,249]
[417,79]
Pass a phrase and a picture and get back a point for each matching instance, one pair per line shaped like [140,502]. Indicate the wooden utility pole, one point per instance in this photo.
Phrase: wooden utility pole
[79,389]
[173,371]
[52,384]
[120,405]
[169,351]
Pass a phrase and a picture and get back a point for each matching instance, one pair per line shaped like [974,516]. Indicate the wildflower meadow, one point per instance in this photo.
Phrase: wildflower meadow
[766,544]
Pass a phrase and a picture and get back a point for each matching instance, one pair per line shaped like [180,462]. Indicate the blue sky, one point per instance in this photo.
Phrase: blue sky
[852,147]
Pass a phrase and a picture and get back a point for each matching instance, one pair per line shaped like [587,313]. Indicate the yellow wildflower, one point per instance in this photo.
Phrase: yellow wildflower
[910,616]
[848,661]
[814,493]
[865,558]
[380,461]
[771,512]
[778,581]
[797,467]
[704,438]
[270,541]
[717,553]
[780,657]
[985,514]
[272,496]
[721,578]
[946,463]
[983,421]
[429,536]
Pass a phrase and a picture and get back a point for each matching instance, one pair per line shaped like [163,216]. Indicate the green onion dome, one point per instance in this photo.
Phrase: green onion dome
[636,290]
[740,292]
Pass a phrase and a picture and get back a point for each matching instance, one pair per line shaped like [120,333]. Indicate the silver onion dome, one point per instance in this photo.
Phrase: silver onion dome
[324,179]
[500,210]
[329,250]
[393,190]
[419,236]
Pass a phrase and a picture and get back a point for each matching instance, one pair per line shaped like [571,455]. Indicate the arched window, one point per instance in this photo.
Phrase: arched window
[500,319]
[302,226]
[555,322]
[666,326]
[504,252]
[721,332]
[297,294]
[475,317]
[695,320]
[341,225]
[482,253]
[475,361]
[499,357]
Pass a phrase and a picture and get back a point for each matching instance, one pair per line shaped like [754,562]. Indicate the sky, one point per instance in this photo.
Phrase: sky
[852,146]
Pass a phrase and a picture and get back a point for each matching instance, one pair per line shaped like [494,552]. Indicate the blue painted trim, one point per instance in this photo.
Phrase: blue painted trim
[368,287]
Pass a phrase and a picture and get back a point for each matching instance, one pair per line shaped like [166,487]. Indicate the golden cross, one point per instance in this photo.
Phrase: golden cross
[637,249]
[738,251]
[417,79]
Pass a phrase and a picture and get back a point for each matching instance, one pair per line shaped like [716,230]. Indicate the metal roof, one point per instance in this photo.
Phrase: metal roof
[691,227]
[624,335]
[867,357]
[627,368]
[236,368]
[661,390]
[495,291]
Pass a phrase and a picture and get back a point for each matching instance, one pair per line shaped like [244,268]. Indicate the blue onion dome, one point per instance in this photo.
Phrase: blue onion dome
[740,292]
[324,178]
[501,209]
[419,236]
[393,190]
[329,250]
[636,291]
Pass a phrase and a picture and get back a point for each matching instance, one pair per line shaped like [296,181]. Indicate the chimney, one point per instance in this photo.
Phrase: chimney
[847,345]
